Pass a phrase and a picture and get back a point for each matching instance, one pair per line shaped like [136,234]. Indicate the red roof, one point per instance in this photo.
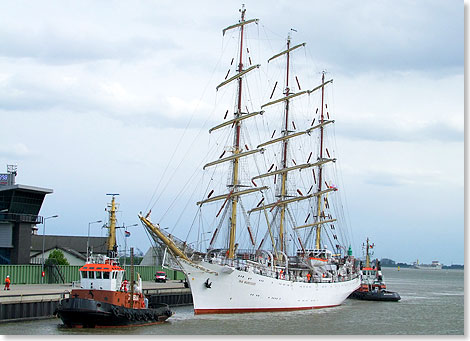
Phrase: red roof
[101,267]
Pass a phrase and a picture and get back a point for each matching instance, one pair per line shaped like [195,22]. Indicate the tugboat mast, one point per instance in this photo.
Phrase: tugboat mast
[368,246]
[112,248]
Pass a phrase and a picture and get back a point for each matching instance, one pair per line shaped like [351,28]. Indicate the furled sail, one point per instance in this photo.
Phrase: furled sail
[238,75]
[308,131]
[235,120]
[231,195]
[232,157]
[288,169]
[239,24]
[288,201]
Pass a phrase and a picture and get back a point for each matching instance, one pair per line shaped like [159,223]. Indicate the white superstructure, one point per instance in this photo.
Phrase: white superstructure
[435,265]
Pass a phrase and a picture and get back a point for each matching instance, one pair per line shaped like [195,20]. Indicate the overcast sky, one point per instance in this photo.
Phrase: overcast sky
[99,97]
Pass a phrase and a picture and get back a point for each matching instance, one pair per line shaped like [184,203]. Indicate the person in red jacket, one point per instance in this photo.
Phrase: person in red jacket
[7,283]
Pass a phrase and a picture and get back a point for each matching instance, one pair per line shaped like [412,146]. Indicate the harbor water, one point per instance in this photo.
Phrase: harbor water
[432,303]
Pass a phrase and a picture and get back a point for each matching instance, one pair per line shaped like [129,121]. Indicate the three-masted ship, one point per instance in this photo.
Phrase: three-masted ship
[104,297]
[289,266]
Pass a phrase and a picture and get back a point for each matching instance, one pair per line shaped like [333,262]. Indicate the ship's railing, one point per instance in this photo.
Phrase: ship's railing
[102,259]
[280,272]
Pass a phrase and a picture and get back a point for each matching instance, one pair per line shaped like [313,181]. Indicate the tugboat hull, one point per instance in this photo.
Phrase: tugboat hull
[383,295]
[86,313]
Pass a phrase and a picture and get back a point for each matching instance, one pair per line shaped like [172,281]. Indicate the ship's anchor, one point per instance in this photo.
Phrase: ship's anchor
[207,283]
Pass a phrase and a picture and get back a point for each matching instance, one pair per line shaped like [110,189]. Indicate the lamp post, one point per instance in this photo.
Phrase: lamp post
[43,242]
[88,238]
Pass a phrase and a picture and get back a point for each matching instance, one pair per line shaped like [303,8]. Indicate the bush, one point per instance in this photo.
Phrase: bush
[57,257]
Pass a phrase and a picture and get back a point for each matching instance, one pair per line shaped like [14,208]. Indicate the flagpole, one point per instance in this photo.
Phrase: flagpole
[126,235]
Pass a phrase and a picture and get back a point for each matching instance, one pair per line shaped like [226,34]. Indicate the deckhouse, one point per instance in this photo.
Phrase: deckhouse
[102,274]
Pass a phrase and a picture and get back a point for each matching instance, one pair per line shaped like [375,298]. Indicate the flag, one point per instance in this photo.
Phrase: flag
[127,233]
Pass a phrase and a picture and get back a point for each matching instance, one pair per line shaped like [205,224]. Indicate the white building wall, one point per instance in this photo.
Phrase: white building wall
[73,260]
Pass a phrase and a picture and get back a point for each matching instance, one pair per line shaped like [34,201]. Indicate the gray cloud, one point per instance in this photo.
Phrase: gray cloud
[56,47]
[382,35]
[387,131]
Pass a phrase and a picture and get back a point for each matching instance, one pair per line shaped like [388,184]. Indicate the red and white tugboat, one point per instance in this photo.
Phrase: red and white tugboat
[104,298]
[372,286]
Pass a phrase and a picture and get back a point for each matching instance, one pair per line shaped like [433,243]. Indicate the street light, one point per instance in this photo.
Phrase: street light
[43,241]
[88,238]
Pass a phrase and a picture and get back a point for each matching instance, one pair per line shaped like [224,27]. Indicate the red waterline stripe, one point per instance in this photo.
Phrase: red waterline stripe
[254,310]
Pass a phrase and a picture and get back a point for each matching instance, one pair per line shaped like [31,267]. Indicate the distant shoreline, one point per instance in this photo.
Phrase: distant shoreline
[405,266]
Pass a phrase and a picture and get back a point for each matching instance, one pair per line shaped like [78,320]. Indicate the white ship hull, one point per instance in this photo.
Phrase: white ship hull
[235,291]
[428,267]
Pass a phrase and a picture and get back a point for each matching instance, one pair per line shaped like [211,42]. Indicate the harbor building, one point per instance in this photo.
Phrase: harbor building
[74,248]
[19,213]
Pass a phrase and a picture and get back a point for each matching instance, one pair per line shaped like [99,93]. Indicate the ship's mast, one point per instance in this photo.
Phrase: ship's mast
[112,227]
[283,200]
[319,210]
[237,151]
[236,146]
[368,246]
[284,152]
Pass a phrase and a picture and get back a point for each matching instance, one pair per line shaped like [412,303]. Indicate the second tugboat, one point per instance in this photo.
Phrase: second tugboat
[372,286]
[104,298]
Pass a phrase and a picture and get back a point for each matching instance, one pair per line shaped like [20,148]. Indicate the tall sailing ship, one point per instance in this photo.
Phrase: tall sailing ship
[282,261]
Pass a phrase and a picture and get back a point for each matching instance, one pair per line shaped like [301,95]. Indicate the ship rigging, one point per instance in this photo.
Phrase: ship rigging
[258,247]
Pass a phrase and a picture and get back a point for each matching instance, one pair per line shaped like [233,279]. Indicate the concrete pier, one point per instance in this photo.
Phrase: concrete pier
[32,301]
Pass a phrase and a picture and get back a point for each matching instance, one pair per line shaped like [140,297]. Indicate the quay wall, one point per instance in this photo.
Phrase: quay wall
[31,274]
[27,310]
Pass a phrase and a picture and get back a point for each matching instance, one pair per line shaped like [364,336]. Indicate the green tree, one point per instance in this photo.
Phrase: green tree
[57,257]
